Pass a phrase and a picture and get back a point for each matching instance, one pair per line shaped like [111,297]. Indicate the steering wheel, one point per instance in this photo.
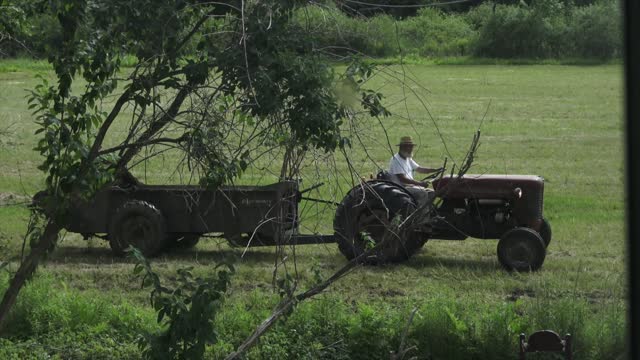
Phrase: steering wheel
[434,175]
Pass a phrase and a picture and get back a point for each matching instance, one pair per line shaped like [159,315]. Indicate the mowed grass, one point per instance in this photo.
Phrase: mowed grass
[561,122]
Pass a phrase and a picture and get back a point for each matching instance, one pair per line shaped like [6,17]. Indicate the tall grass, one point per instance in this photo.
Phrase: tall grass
[445,327]
[51,320]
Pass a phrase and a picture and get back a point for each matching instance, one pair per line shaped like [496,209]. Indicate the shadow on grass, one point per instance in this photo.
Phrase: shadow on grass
[477,265]
[262,256]
[103,255]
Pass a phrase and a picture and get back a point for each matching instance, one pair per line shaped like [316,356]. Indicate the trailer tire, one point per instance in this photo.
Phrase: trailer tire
[363,210]
[521,249]
[139,224]
[235,240]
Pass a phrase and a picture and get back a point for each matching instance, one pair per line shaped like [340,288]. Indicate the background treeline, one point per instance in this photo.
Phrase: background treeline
[541,29]
[532,29]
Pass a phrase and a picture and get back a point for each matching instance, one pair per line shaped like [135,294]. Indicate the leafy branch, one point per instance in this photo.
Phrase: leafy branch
[187,312]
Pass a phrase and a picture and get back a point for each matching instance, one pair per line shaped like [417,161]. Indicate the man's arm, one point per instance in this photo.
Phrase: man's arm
[421,169]
[405,180]
[426,170]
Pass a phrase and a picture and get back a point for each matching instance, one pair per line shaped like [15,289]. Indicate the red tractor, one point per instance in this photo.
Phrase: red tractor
[504,207]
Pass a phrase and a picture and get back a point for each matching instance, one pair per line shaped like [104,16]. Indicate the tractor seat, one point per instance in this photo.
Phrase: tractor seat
[546,341]
[387,176]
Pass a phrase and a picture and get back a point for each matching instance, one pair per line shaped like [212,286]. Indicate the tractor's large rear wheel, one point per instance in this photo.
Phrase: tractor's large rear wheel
[368,219]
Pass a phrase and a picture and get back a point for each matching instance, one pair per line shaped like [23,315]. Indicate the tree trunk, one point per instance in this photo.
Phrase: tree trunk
[28,266]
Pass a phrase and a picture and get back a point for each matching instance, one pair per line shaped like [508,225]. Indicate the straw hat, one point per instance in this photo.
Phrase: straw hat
[406,140]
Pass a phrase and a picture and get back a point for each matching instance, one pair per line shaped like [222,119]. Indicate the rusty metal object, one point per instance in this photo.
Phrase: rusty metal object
[546,341]
[487,206]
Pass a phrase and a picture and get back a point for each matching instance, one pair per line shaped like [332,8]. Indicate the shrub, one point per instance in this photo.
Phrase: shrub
[596,30]
[512,32]
[336,33]
[44,34]
[478,16]
[434,33]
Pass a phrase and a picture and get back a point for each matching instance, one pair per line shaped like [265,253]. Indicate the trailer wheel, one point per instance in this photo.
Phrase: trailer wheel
[235,240]
[521,249]
[139,224]
[362,222]
[545,232]
[184,240]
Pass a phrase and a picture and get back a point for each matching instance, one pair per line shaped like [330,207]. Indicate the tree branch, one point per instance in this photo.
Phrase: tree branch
[143,144]
[155,127]
[286,305]
[97,143]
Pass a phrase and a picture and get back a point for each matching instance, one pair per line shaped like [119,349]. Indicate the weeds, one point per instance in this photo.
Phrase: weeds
[69,324]
[186,313]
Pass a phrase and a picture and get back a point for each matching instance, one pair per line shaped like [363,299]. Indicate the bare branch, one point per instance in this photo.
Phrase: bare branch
[145,143]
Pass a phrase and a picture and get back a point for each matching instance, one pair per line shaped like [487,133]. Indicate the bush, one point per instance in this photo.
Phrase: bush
[479,15]
[544,29]
[336,33]
[547,29]
[515,31]
[433,33]
[33,38]
[45,33]
[596,31]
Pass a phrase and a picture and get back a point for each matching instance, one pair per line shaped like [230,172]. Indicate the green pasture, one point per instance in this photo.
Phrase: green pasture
[561,122]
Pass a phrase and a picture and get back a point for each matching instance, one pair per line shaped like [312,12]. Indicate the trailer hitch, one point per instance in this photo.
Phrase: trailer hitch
[320,201]
[300,197]
[311,188]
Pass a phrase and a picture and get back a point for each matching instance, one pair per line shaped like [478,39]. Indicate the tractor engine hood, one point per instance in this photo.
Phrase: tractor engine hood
[490,186]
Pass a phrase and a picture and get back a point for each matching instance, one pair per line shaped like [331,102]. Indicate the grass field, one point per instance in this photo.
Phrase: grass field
[561,122]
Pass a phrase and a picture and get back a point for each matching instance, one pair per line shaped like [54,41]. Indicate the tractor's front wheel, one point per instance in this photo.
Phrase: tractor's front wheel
[545,232]
[521,249]
[371,218]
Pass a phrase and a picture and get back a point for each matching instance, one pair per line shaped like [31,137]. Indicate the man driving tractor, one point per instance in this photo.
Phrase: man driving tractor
[402,167]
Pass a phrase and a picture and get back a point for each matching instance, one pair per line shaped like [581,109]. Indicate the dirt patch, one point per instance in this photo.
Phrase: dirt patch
[520,293]
[598,296]
[392,293]
[8,198]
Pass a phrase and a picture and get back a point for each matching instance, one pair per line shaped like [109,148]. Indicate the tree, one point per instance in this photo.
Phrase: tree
[12,19]
[219,82]
[403,8]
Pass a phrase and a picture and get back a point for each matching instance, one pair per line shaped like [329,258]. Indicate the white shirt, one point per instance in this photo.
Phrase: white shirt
[399,165]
